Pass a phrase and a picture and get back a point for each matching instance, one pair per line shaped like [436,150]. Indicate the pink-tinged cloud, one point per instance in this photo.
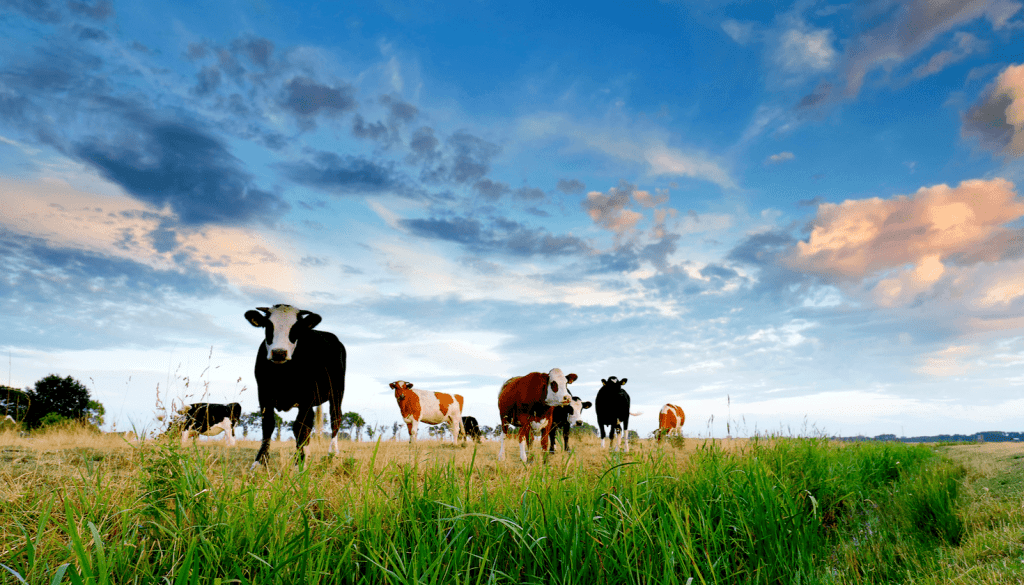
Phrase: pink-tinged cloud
[997,120]
[912,233]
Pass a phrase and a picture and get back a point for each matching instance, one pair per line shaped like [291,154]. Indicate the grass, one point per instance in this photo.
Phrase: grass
[94,509]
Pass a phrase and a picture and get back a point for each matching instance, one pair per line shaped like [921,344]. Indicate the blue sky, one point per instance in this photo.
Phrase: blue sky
[777,216]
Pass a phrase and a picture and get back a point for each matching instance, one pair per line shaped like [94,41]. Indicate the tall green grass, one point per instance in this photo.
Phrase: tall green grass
[778,511]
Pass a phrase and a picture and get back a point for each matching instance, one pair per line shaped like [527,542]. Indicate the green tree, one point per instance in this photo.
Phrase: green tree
[65,397]
[14,403]
[352,420]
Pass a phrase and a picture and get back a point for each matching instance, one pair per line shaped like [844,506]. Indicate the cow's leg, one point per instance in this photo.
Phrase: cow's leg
[616,435]
[501,441]
[626,432]
[414,428]
[268,432]
[184,437]
[600,425]
[301,429]
[565,437]
[335,408]
[525,437]
[456,425]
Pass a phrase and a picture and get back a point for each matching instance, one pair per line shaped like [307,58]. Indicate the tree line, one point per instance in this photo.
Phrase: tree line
[52,400]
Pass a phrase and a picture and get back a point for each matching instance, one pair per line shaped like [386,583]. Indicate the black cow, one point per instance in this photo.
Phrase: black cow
[471,428]
[297,366]
[565,418]
[208,418]
[612,407]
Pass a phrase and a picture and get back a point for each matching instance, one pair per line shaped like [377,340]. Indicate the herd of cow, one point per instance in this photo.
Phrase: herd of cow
[300,367]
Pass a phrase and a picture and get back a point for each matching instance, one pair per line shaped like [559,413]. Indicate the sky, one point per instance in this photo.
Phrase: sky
[799,217]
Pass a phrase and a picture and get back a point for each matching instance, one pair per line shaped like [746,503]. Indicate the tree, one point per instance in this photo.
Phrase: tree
[14,403]
[395,427]
[64,397]
[370,431]
[251,419]
[94,413]
[352,420]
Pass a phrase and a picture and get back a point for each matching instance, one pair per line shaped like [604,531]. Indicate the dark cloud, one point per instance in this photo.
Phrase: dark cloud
[88,33]
[39,10]
[101,10]
[817,96]
[491,190]
[196,51]
[313,261]
[137,46]
[307,99]
[258,50]
[207,80]
[375,131]
[398,110]
[658,252]
[343,174]
[529,194]
[502,235]
[423,144]
[718,271]
[465,158]
[763,248]
[176,164]
[987,121]
[571,186]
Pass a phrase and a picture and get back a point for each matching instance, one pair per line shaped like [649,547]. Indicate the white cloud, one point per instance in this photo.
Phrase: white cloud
[780,157]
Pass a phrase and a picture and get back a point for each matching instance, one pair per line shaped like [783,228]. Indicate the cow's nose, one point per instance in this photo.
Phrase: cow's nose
[279,355]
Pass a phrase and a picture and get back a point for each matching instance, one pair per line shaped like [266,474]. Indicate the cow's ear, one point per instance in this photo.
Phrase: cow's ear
[309,320]
[603,381]
[571,378]
[408,385]
[623,381]
[256,318]
[393,386]
[587,404]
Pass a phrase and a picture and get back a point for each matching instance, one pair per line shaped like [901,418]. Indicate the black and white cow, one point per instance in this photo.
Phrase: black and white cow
[208,418]
[297,366]
[565,418]
[471,427]
[612,407]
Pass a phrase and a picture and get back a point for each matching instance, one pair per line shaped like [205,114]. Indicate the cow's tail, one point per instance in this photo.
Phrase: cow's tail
[635,413]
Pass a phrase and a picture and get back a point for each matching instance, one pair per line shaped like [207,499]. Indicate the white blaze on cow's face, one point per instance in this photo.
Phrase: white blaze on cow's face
[576,416]
[280,341]
[558,388]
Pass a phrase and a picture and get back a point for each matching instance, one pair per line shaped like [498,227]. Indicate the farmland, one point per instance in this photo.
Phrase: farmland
[79,507]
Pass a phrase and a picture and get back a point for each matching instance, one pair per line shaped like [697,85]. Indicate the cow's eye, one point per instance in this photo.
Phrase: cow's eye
[554,386]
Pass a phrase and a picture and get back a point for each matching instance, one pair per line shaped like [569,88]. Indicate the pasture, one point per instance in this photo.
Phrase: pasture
[77,507]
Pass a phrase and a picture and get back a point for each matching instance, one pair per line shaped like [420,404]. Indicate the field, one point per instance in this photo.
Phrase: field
[77,507]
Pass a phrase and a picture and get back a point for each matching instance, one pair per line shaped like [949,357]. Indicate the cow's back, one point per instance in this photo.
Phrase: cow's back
[520,394]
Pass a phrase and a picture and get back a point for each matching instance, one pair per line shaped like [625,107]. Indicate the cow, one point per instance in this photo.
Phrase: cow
[564,418]
[527,402]
[670,421]
[432,408]
[208,418]
[297,366]
[612,407]
[471,428]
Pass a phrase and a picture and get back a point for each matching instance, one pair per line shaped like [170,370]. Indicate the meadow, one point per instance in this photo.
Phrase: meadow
[78,507]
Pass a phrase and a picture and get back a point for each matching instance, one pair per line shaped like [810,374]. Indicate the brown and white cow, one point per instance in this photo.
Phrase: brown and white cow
[527,402]
[670,421]
[432,408]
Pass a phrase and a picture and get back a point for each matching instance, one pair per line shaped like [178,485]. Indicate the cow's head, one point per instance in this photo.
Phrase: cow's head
[400,386]
[558,388]
[284,325]
[613,383]
[576,416]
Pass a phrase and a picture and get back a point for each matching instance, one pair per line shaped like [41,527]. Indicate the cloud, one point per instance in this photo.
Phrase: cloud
[780,158]
[307,99]
[905,29]
[801,51]
[501,235]
[571,186]
[101,10]
[966,45]
[858,237]
[610,210]
[997,119]
[39,10]
[176,164]
[741,32]
[348,175]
